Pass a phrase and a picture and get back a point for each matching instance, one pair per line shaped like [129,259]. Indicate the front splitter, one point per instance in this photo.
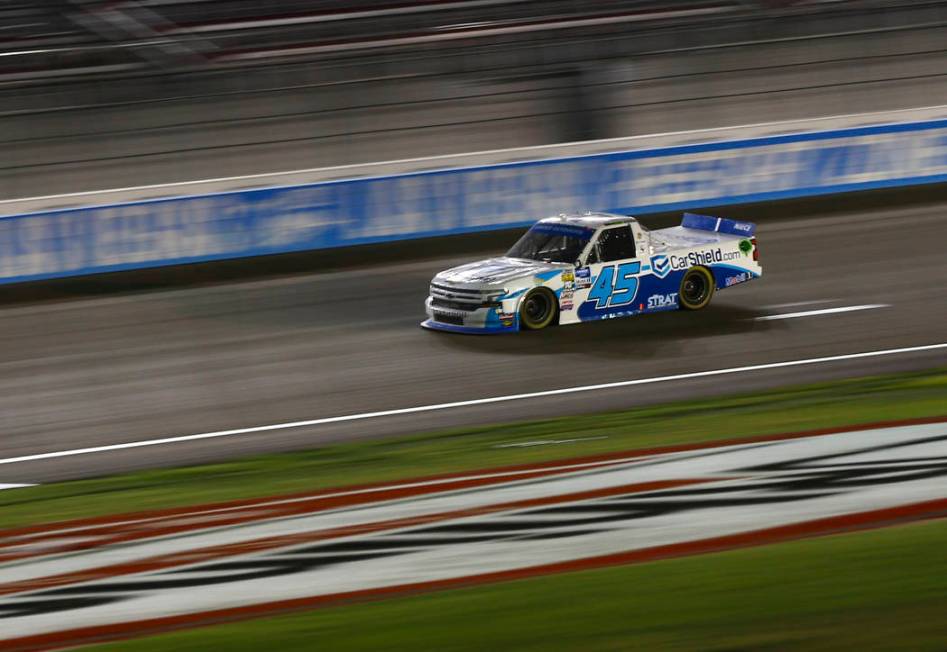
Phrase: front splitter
[430,324]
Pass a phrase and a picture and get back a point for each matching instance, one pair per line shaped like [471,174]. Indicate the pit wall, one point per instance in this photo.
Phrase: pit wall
[469,193]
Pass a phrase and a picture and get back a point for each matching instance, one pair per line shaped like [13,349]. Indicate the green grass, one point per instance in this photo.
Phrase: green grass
[798,408]
[878,590]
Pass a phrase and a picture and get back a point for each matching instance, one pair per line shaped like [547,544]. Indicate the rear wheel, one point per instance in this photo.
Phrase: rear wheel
[538,309]
[697,287]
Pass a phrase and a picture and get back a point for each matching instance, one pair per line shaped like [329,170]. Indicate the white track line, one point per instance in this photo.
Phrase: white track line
[795,304]
[546,442]
[824,311]
[468,403]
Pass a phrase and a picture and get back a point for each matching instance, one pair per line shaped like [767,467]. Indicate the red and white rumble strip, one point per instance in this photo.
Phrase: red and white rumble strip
[97,579]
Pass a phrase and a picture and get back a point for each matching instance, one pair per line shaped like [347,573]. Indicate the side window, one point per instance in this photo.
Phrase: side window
[616,244]
[593,255]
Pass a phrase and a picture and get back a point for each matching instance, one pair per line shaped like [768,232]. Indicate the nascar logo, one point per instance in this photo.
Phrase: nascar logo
[660,266]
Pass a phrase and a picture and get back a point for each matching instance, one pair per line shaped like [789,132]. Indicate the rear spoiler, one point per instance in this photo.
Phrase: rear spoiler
[718,225]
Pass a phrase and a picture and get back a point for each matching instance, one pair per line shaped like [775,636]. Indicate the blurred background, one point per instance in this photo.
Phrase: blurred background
[98,94]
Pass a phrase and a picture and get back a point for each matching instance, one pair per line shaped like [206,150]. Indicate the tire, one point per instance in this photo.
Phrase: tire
[538,309]
[697,288]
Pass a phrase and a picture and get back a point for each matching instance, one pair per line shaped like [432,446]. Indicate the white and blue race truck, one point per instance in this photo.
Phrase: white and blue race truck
[576,268]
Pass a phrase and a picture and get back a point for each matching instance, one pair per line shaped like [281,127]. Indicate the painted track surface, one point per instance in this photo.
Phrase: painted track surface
[99,371]
[199,565]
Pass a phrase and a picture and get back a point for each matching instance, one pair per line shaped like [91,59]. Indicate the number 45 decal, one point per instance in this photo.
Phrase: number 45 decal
[615,288]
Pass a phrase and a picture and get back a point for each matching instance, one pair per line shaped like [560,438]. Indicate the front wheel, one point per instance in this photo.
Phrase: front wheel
[538,309]
[697,287]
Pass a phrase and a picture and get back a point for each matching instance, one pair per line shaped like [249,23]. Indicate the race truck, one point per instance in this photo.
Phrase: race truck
[575,268]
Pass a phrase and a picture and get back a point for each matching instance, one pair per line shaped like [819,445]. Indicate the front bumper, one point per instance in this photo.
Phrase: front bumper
[482,321]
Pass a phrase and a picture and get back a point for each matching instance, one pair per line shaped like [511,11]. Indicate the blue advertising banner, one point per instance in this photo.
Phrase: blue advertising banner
[452,201]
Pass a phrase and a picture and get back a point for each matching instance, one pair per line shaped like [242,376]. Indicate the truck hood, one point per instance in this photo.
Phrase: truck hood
[496,271]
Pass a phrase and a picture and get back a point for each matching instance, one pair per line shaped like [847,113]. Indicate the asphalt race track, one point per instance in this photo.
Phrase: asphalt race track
[99,371]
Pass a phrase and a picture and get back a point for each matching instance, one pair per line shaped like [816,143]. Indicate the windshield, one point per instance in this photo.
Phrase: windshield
[551,243]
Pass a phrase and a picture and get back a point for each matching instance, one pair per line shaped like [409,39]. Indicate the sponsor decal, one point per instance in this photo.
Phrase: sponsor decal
[738,278]
[507,316]
[568,286]
[566,305]
[662,300]
[746,247]
[705,257]
[660,266]
[568,277]
[583,277]
[566,295]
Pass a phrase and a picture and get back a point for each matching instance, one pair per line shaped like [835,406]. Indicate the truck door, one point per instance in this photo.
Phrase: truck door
[608,285]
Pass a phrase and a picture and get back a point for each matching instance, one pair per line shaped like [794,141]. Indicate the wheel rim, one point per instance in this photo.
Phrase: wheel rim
[536,308]
[695,288]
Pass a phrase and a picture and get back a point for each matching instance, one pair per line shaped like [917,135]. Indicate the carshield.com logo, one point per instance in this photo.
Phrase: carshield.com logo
[660,265]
